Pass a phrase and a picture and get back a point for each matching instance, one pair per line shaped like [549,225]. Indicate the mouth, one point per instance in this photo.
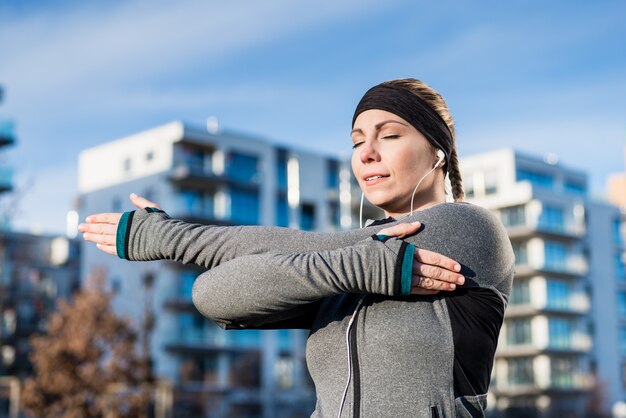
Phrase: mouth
[372,179]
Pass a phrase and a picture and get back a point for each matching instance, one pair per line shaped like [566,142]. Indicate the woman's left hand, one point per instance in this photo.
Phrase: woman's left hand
[432,272]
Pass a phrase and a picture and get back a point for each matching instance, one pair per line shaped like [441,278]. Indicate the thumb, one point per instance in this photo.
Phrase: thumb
[142,202]
[401,230]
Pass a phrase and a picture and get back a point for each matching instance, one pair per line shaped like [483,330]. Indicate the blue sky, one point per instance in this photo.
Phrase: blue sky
[543,77]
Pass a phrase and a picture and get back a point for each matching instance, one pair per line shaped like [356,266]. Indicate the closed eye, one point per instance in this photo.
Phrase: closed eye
[356,145]
[391,136]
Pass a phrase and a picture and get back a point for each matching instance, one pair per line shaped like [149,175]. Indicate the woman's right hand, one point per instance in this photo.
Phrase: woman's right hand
[432,272]
[101,228]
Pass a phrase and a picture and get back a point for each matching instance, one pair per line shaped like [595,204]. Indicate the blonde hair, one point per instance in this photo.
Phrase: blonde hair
[434,99]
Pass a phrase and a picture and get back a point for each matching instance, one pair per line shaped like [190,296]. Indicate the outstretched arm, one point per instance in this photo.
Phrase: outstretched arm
[150,234]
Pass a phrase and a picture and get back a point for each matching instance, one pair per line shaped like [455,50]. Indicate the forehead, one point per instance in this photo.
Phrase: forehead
[375,116]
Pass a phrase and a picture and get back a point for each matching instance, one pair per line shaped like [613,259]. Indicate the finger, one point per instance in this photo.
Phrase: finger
[436,259]
[110,249]
[401,230]
[100,239]
[97,228]
[437,273]
[105,218]
[142,202]
[420,282]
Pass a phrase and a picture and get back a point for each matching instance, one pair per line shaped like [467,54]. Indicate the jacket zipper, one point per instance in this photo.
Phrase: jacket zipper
[356,375]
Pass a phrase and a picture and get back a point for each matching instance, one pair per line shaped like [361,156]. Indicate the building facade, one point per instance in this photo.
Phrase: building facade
[208,176]
[562,345]
[543,364]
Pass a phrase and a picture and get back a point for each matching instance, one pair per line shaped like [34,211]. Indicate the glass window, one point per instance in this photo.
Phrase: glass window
[518,331]
[196,203]
[241,167]
[618,238]
[555,255]
[187,278]
[191,328]
[307,217]
[575,187]
[620,269]
[244,338]
[513,216]
[334,214]
[332,174]
[562,372]
[520,294]
[282,211]
[149,155]
[244,206]
[491,182]
[116,205]
[281,169]
[196,159]
[127,165]
[520,371]
[521,254]
[558,294]
[621,304]
[560,331]
[535,178]
[552,218]
[284,339]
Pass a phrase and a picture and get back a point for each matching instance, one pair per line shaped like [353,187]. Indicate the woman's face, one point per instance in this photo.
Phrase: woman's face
[390,156]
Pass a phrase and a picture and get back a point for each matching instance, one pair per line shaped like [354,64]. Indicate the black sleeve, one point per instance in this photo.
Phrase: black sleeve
[476,316]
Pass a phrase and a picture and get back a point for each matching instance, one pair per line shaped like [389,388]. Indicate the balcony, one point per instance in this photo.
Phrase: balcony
[7,133]
[575,344]
[575,304]
[559,231]
[6,179]
[572,266]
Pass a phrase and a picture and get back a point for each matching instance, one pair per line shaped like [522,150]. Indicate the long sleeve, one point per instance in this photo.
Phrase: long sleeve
[150,234]
[254,290]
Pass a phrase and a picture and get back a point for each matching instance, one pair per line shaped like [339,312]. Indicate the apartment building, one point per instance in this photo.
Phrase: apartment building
[545,362]
[206,175]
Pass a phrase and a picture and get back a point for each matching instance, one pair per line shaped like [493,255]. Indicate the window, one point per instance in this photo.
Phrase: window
[560,331]
[241,167]
[535,178]
[127,165]
[307,217]
[555,255]
[562,372]
[618,237]
[620,269]
[491,182]
[574,187]
[196,159]
[192,328]
[332,174]
[282,211]
[518,331]
[196,203]
[247,338]
[521,254]
[334,214]
[558,294]
[513,216]
[281,169]
[149,155]
[621,304]
[187,278]
[552,218]
[244,206]
[284,339]
[520,294]
[520,371]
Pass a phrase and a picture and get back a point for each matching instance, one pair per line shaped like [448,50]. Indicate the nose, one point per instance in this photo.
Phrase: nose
[369,152]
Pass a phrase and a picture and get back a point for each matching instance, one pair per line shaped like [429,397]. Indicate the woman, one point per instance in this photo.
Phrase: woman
[383,340]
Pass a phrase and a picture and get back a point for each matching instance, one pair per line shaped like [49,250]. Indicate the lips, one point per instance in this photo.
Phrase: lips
[374,178]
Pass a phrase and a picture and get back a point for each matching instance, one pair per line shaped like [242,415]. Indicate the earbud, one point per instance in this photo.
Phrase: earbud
[441,156]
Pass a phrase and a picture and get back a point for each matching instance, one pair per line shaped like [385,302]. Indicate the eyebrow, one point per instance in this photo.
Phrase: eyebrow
[380,125]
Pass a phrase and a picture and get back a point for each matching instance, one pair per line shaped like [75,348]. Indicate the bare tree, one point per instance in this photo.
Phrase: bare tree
[87,354]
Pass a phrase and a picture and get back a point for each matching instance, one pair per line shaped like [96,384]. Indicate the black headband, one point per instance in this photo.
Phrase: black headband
[411,108]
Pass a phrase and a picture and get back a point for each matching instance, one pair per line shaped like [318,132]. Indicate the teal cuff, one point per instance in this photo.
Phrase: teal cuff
[406,277]
[120,237]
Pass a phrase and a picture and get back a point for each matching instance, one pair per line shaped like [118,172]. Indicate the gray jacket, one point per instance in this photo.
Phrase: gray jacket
[402,346]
